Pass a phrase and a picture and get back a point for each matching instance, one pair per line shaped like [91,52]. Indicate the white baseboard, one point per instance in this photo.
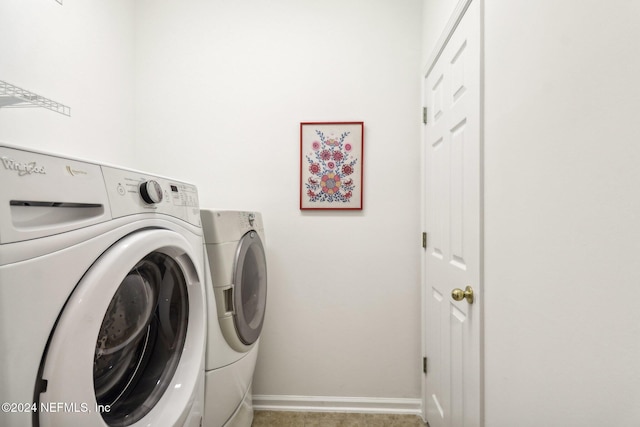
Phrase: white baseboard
[371,405]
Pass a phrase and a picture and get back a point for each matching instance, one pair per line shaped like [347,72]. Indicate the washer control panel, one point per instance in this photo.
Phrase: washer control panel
[133,192]
[46,194]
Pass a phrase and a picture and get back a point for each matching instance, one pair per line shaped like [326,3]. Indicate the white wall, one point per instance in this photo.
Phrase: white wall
[222,87]
[80,55]
[562,236]
[562,229]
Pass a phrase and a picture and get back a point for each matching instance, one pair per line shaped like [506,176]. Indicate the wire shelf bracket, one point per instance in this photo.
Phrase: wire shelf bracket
[14,97]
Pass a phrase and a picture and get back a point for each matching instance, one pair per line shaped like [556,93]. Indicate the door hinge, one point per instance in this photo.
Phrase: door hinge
[424,115]
[424,365]
[424,240]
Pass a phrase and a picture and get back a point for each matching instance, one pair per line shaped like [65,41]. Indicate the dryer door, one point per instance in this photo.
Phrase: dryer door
[250,288]
[128,346]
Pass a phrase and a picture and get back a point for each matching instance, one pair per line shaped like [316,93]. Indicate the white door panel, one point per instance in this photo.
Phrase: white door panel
[452,218]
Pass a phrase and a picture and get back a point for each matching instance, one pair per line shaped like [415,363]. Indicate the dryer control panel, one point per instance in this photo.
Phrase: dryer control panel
[229,226]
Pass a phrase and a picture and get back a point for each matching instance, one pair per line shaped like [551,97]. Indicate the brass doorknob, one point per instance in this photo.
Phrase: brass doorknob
[459,294]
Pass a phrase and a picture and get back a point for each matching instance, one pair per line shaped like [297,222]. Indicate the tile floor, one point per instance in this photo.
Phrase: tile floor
[332,419]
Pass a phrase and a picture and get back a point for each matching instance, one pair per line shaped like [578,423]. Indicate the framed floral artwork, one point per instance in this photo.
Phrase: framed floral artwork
[331,156]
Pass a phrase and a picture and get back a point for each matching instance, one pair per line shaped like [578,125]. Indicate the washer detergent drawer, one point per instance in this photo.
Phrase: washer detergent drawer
[45,195]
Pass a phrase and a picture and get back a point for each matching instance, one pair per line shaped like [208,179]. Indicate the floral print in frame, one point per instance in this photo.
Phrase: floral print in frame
[331,165]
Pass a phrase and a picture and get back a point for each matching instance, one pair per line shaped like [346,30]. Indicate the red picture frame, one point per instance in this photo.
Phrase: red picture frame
[331,165]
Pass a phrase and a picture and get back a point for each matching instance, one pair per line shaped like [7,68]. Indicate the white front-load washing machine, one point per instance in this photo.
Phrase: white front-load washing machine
[102,300]
[236,300]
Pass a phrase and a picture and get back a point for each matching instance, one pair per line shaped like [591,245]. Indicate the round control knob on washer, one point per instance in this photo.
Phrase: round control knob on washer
[151,192]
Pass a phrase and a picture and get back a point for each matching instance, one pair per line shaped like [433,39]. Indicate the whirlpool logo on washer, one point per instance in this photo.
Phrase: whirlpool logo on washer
[23,168]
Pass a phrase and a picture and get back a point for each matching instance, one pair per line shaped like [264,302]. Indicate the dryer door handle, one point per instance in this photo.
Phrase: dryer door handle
[229,300]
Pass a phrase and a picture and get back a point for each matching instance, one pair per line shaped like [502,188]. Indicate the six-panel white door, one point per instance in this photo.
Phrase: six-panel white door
[453,215]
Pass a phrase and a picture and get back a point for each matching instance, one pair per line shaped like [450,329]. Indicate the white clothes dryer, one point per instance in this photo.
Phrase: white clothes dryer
[101,296]
[236,301]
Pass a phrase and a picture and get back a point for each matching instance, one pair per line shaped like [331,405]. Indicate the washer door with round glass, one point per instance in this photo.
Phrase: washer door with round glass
[250,288]
[128,347]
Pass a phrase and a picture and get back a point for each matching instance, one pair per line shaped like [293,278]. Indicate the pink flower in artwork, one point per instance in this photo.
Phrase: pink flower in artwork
[331,165]
[315,145]
[314,168]
[337,156]
[348,195]
[311,194]
[347,169]
[347,147]
[325,155]
[330,183]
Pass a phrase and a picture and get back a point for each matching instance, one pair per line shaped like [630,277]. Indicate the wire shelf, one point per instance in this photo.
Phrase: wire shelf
[14,97]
